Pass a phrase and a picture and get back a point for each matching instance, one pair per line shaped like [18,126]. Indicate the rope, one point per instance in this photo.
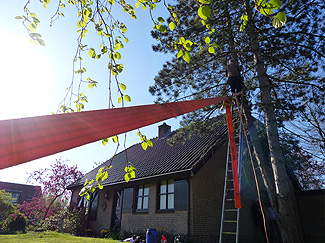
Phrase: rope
[255,177]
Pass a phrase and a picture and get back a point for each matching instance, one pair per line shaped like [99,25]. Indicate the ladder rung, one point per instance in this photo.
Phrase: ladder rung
[230,210]
[229,233]
[230,221]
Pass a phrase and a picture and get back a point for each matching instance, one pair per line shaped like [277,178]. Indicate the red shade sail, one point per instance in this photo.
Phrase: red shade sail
[233,151]
[26,139]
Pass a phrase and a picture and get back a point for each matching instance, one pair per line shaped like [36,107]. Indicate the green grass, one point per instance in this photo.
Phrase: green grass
[49,237]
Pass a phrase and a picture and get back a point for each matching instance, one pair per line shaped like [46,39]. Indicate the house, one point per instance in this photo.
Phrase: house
[20,192]
[178,189]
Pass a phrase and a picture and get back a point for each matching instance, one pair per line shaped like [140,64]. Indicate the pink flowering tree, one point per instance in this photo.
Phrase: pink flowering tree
[54,182]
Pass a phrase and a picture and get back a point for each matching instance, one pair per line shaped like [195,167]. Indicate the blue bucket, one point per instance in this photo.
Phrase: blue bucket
[151,236]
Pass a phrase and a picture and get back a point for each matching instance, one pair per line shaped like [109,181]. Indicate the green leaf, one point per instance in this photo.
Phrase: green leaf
[18,17]
[180,53]
[211,50]
[87,196]
[127,98]
[144,145]
[105,175]
[92,53]
[91,182]
[150,144]
[115,139]
[137,4]
[205,1]
[127,177]
[279,20]
[100,186]
[161,20]
[92,189]
[204,12]
[117,55]
[172,26]
[207,40]
[122,86]
[276,4]
[105,141]
[101,169]
[86,182]
[266,11]
[162,28]
[119,100]
[187,56]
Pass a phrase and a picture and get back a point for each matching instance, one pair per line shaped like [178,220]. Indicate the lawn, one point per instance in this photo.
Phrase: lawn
[49,237]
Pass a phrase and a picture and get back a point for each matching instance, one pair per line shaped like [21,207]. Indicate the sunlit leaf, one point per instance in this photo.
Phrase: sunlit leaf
[180,53]
[150,144]
[211,50]
[115,139]
[187,56]
[276,4]
[18,17]
[172,26]
[119,100]
[205,1]
[92,53]
[207,40]
[100,186]
[127,98]
[204,12]
[122,86]
[105,141]
[144,145]
[279,20]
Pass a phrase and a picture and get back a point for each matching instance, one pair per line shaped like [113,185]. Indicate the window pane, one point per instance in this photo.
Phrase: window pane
[145,203]
[163,187]
[140,192]
[170,186]
[146,190]
[170,201]
[139,206]
[163,202]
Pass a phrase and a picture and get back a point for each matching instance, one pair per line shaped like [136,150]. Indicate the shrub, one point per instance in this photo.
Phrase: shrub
[76,222]
[6,206]
[15,222]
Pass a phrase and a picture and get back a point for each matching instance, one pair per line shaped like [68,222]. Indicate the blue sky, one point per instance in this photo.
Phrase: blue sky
[34,78]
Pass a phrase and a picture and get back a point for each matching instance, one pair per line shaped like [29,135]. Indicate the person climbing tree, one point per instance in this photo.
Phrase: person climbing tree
[234,78]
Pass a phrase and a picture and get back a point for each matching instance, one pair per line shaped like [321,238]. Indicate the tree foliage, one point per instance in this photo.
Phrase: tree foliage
[54,182]
[6,206]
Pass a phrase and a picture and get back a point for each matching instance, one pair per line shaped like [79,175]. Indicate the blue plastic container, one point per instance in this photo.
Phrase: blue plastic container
[151,236]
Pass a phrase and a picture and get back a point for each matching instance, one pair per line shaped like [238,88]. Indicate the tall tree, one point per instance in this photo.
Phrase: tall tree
[54,182]
[266,47]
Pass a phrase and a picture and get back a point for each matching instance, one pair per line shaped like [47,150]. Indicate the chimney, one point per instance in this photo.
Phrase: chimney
[163,130]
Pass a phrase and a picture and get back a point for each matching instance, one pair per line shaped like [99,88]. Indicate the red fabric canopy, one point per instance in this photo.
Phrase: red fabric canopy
[26,139]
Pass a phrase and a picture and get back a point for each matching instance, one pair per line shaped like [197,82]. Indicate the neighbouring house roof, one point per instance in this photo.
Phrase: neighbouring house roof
[163,159]
[26,192]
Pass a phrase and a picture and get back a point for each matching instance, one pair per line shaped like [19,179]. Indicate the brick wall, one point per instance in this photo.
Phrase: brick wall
[104,212]
[172,223]
[206,192]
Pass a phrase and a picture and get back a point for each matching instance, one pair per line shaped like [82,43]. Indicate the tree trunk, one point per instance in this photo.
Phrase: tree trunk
[284,208]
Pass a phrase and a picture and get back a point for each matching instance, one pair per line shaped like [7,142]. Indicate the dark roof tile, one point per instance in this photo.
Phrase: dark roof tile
[162,158]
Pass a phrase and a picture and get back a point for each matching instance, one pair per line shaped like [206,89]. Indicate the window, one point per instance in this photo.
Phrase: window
[93,205]
[15,197]
[173,195]
[143,197]
[166,195]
